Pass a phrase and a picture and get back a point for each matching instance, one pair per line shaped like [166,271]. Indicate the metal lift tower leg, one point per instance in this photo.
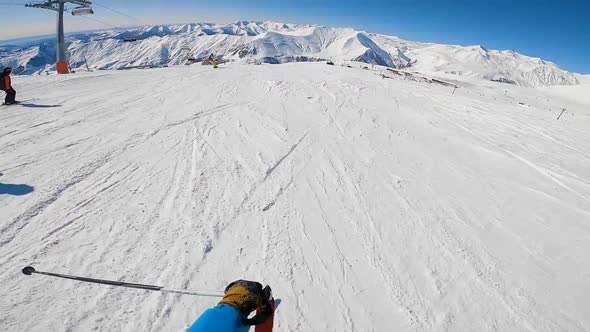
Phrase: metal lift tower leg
[62,62]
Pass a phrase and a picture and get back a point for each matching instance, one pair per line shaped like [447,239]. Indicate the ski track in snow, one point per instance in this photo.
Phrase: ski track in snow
[367,204]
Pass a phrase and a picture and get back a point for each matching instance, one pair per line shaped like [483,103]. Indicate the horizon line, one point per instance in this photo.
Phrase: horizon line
[6,42]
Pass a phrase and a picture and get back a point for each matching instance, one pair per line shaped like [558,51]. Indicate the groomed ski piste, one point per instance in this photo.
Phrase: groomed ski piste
[367,203]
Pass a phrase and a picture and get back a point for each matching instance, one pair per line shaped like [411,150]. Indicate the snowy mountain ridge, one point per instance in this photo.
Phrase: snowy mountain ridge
[273,42]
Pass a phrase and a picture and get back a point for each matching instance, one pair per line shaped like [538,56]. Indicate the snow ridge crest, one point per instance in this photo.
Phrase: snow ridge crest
[274,42]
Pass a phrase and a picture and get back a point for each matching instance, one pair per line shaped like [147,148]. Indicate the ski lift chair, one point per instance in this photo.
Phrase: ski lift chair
[82,11]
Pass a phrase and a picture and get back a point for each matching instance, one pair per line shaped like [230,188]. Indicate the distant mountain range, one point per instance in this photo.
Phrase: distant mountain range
[272,42]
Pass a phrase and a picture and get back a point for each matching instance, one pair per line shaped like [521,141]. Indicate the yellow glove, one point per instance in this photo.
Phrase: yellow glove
[247,296]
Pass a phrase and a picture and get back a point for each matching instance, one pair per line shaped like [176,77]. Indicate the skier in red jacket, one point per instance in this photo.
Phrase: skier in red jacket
[6,85]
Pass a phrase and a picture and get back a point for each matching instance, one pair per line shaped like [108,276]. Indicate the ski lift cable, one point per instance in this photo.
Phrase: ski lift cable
[118,12]
[98,21]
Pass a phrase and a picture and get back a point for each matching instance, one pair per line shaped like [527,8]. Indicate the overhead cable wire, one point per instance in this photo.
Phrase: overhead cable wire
[119,12]
[93,19]
[99,21]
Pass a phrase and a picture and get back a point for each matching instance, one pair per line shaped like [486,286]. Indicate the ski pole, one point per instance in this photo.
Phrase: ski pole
[29,270]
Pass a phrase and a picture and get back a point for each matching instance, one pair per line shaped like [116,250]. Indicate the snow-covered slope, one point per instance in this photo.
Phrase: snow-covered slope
[369,204]
[579,94]
[277,43]
[477,61]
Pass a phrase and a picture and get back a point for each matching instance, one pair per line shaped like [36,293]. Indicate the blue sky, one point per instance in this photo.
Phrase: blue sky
[556,30]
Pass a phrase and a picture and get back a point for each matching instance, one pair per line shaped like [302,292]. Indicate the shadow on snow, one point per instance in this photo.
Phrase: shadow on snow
[38,106]
[15,189]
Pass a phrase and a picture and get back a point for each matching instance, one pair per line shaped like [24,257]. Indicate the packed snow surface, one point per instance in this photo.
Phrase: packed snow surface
[367,203]
[576,94]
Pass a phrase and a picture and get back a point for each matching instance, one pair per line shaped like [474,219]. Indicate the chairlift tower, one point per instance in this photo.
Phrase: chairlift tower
[59,6]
